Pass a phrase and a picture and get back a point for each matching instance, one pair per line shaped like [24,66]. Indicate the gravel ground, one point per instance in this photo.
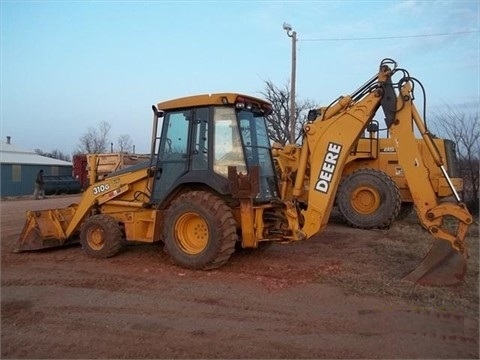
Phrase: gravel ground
[279,302]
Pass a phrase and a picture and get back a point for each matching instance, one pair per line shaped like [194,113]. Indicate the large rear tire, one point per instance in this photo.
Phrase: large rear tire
[368,198]
[101,236]
[200,231]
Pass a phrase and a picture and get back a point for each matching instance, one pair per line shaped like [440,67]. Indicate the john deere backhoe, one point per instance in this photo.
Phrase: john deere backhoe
[211,183]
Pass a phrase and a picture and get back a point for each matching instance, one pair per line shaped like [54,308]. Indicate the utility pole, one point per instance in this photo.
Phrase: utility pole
[292,34]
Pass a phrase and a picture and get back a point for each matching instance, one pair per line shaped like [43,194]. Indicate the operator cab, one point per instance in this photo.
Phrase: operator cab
[201,136]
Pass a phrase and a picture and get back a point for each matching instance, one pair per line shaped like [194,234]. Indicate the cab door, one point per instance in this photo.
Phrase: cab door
[172,158]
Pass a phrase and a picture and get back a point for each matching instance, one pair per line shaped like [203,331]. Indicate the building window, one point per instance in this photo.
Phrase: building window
[16,173]
[54,170]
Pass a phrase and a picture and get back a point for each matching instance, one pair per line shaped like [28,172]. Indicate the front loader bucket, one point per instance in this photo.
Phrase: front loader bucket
[45,229]
[442,266]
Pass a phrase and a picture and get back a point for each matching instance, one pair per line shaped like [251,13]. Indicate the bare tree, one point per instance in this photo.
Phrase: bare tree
[124,143]
[54,154]
[461,124]
[95,140]
[278,123]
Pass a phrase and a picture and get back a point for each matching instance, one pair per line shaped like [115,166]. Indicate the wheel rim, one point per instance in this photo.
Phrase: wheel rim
[96,238]
[192,233]
[365,200]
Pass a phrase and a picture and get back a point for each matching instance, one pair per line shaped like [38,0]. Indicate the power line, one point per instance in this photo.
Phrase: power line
[391,37]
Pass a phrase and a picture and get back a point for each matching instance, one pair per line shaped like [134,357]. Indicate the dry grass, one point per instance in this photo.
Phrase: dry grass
[407,241]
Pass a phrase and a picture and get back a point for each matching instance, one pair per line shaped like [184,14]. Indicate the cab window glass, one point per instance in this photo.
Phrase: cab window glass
[228,147]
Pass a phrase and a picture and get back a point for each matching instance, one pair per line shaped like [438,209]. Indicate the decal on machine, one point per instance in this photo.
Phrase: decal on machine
[100,189]
[388,149]
[328,167]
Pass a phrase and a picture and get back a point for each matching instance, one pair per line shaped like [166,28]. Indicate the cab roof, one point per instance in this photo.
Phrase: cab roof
[207,100]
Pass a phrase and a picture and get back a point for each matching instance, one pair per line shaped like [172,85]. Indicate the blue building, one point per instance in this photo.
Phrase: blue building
[19,168]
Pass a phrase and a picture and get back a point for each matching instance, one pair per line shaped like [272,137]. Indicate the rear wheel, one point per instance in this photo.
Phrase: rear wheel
[200,231]
[368,198]
[101,236]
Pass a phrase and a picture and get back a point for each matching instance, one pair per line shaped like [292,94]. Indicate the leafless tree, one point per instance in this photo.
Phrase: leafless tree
[278,123]
[54,154]
[461,124]
[95,140]
[124,143]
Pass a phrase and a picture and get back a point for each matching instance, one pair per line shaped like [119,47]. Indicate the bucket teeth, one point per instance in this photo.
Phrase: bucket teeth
[442,266]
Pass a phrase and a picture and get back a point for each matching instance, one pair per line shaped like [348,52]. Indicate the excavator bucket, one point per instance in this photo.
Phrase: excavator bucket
[45,229]
[442,266]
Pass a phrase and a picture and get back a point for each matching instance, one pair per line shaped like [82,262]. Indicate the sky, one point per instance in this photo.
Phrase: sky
[66,66]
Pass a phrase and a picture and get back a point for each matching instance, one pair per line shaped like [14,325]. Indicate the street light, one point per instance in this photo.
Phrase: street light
[293,34]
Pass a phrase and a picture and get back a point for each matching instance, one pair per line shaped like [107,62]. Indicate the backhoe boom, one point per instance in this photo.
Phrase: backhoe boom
[447,221]
[327,144]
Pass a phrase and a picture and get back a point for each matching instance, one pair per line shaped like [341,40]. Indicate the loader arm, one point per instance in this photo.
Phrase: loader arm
[57,227]
[101,192]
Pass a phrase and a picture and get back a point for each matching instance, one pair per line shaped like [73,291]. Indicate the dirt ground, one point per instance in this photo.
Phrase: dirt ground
[312,299]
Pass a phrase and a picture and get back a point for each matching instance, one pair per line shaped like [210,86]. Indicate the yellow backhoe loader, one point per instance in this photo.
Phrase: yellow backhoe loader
[211,183]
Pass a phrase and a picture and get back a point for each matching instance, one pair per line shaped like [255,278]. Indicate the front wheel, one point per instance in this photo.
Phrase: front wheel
[101,236]
[200,231]
[368,198]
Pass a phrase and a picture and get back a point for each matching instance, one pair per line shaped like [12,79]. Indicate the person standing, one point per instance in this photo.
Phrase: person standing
[39,186]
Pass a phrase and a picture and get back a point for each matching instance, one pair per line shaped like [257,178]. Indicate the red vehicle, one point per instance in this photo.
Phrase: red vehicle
[80,171]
